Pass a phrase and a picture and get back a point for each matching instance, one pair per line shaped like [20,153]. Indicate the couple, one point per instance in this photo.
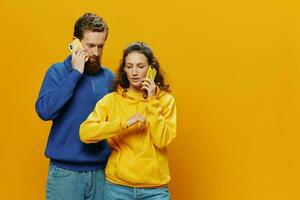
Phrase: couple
[121,125]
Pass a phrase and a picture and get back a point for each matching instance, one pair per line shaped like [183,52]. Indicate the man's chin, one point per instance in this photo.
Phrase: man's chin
[92,68]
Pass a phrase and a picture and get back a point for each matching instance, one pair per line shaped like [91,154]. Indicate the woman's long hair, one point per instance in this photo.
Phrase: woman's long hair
[121,78]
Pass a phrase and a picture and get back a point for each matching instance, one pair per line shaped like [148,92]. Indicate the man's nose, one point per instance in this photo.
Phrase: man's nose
[95,51]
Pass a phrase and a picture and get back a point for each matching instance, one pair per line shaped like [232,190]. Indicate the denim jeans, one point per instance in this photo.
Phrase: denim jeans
[119,192]
[64,184]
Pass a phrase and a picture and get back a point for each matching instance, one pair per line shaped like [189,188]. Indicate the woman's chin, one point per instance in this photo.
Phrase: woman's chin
[136,84]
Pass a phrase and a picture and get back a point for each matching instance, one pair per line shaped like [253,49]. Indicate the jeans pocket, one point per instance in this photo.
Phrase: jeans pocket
[61,184]
[59,172]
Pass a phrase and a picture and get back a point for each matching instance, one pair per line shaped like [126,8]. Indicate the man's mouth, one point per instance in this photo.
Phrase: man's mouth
[93,59]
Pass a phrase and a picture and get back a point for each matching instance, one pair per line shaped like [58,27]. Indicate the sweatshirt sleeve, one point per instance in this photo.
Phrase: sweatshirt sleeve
[55,92]
[96,127]
[162,120]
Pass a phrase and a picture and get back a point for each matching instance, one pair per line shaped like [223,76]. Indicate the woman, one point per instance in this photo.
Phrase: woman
[139,121]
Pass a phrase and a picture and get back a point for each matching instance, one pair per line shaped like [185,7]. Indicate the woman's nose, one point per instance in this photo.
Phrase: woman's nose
[134,71]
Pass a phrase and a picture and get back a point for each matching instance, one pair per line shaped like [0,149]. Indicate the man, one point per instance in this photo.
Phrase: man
[68,95]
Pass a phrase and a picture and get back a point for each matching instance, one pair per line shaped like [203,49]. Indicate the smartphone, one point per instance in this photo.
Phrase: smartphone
[75,45]
[151,73]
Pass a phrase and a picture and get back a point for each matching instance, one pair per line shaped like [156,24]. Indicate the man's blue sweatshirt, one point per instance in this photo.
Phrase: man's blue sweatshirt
[67,97]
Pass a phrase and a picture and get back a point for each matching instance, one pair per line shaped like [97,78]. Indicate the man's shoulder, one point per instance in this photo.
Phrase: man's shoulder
[106,70]
[61,66]
[58,67]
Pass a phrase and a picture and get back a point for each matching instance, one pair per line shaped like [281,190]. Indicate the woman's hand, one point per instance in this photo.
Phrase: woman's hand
[136,118]
[149,85]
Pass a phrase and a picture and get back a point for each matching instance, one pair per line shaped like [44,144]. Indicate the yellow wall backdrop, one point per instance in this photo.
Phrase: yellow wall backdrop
[234,69]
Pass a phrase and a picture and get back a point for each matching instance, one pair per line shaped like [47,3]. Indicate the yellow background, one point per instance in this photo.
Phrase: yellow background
[234,69]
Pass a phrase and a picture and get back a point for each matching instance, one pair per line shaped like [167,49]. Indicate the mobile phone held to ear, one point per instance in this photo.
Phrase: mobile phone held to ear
[151,73]
[75,45]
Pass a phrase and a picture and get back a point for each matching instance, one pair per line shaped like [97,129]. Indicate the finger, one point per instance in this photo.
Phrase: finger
[142,126]
[73,55]
[145,84]
[146,80]
[152,82]
[86,56]
[76,56]
[83,55]
[141,118]
[138,116]
[145,88]
[78,52]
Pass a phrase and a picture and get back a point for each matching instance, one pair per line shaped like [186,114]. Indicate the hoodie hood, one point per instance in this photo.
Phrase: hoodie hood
[134,96]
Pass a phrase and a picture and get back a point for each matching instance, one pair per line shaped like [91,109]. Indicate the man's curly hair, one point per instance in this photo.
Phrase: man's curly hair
[89,22]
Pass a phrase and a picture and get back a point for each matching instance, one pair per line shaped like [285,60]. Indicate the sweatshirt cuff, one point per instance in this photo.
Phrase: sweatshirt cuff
[75,76]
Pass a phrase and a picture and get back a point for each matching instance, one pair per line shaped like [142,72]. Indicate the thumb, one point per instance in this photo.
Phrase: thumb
[73,56]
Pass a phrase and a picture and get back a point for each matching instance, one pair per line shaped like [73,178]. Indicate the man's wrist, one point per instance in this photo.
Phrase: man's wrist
[81,72]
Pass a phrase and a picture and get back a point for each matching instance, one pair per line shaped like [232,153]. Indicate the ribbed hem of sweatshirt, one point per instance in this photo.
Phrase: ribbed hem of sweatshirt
[78,166]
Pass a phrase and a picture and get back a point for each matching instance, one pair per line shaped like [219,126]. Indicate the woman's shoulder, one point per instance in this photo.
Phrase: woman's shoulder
[165,97]
[108,97]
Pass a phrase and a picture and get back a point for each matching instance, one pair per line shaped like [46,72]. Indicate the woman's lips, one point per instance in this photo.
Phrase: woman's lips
[135,79]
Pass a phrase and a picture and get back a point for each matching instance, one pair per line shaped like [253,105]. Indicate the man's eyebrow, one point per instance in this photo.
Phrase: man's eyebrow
[90,43]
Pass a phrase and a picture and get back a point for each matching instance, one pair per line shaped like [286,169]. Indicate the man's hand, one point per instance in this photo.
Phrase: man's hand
[78,60]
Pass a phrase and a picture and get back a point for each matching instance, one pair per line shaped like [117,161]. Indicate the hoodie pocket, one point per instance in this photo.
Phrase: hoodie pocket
[139,171]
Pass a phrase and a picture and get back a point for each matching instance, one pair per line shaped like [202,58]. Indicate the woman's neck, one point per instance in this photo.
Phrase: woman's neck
[136,89]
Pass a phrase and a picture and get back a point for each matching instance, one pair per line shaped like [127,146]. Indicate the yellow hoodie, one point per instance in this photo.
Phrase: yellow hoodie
[139,156]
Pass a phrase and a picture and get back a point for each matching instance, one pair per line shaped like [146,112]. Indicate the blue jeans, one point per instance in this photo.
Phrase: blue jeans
[64,184]
[119,192]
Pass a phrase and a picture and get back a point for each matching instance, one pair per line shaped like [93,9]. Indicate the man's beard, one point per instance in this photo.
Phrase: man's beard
[92,68]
